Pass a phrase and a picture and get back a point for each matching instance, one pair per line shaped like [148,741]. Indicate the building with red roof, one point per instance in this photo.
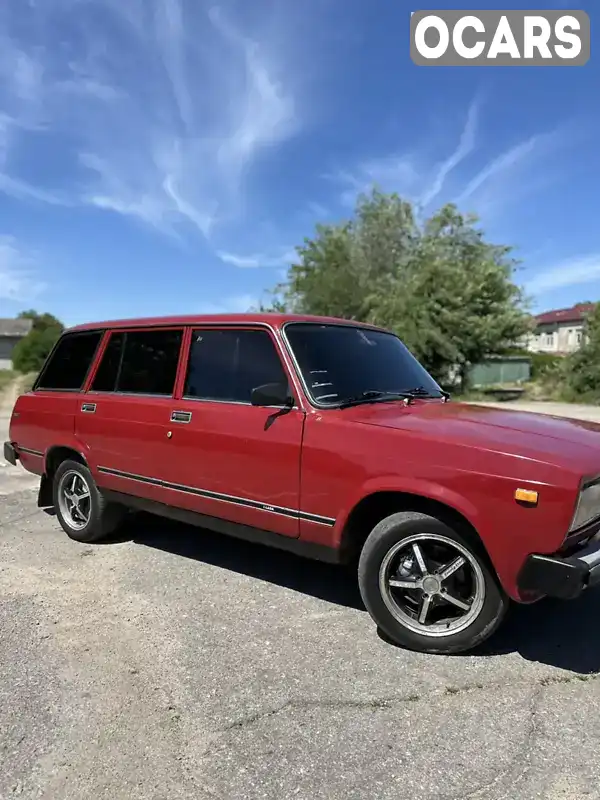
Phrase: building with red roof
[560,331]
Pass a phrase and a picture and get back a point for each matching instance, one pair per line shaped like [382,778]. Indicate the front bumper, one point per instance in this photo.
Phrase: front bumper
[565,577]
[10,454]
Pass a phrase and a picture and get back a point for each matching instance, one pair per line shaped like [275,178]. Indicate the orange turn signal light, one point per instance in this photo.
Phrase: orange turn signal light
[526,496]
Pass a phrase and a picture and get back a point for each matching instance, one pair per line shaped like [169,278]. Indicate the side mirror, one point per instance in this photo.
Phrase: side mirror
[271,394]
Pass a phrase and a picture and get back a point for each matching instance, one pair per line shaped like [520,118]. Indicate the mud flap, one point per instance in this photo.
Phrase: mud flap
[45,492]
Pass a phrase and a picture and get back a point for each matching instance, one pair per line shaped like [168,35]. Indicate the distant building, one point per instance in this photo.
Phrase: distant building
[559,332]
[11,333]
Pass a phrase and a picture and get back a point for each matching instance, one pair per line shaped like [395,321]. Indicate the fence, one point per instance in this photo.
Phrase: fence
[501,371]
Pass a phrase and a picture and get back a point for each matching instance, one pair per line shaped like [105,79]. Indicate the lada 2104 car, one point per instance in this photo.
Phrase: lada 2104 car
[325,437]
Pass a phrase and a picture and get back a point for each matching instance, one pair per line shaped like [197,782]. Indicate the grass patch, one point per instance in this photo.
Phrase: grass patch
[28,381]
[7,376]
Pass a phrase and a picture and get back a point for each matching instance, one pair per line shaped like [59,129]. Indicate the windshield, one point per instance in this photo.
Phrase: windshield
[339,362]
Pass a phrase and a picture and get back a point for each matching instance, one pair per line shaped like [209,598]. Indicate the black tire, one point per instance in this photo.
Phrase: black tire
[487,609]
[103,517]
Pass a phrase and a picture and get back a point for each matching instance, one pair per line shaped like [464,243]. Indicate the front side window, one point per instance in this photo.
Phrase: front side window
[70,361]
[339,362]
[227,365]
[139,362]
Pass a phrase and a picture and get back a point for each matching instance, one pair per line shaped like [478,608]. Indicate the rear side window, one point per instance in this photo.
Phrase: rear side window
[227,365]
[139,362]
[70,361]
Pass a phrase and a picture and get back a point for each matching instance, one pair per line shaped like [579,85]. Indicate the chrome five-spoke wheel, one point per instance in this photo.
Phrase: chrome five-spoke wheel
[74,499]
[428,586]
[432,584]
[83,511]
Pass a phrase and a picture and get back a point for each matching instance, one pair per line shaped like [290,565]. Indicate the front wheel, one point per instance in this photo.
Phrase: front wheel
[427,587]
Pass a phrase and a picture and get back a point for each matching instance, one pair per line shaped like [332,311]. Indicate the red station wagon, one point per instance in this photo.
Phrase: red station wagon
[325,437]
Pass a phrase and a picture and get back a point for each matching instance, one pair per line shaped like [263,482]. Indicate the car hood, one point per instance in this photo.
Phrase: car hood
[557,440]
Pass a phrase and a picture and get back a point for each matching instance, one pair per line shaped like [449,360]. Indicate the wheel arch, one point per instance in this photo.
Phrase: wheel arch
[55,455]
[377,505]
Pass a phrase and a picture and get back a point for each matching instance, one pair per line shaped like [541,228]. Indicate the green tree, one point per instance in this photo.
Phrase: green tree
[31,352]
[477,307]
[446,291]
[581,370]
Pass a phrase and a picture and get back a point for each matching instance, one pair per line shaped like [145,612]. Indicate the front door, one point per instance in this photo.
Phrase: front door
[230,458]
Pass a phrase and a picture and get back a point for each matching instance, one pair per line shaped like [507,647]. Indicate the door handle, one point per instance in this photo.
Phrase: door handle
[181,416]
[89,408]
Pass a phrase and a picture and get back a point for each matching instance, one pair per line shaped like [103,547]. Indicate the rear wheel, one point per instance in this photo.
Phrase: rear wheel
[427,587]
[82,511]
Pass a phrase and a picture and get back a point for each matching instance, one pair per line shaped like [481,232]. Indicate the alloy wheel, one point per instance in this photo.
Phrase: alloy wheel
[432,585]
[75,500]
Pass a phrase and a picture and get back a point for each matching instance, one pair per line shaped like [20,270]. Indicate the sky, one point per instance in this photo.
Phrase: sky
[167,156]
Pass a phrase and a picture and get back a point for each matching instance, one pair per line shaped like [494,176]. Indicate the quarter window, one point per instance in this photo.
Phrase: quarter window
[140,362]
[105,379]
[70,361]
[227,365]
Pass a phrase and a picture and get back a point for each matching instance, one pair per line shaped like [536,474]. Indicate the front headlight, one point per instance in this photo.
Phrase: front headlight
[588,505]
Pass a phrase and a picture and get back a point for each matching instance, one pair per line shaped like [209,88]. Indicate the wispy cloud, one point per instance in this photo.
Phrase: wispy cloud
[497,166]
[258,259]
[465,147]
[21,190]
[163,106]
[235,304]
[413,173]
[580,270]
[399,173]
[426,180]
[18,277]
[317,210]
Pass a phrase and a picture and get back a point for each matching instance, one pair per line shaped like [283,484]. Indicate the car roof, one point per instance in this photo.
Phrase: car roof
[274,319]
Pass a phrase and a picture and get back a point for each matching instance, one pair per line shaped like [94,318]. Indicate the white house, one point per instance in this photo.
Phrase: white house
[559,332]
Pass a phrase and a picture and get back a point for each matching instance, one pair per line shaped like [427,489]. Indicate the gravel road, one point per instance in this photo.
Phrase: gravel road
[175,663]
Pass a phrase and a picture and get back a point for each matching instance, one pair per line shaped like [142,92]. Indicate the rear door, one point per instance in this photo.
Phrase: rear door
[45,417]
[231,459]
[123,419]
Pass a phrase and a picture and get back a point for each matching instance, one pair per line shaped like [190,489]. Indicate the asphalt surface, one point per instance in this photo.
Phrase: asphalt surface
[174,663]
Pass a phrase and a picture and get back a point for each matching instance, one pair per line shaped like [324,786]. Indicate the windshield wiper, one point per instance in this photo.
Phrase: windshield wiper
[421,391]
[372,396]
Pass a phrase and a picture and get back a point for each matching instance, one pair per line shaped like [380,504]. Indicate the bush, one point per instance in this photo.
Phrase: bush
[31,352]
[543,363]
[581,371]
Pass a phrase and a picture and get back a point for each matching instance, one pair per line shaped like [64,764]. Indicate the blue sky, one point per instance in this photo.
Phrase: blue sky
[166,156]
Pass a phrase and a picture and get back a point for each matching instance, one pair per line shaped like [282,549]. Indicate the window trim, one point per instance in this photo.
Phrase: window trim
[271,333]
[137,329]
[37,387]
[364,327]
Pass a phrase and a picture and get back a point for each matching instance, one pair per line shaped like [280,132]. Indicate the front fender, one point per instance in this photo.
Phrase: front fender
[415,486]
